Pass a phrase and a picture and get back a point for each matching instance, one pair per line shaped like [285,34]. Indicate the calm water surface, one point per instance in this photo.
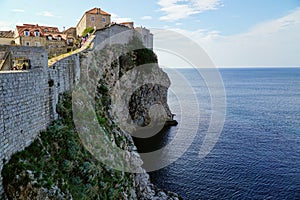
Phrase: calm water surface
[257,155]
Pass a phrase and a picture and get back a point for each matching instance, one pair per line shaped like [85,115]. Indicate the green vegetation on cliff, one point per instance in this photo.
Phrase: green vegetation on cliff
[87,30]
[58,163]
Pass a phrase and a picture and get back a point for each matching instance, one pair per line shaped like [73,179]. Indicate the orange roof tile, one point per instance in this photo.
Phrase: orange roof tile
[126,22]
[97,11]
[43,30]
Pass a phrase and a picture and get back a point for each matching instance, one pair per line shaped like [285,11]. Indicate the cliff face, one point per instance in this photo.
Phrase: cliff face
[119,86]
[122,83]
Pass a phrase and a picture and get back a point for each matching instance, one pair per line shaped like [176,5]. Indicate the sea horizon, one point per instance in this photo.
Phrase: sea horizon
[234,67]
[257,152]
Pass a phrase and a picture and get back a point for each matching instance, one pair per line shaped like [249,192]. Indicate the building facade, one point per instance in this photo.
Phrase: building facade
[95,18]
[54,41]
[6,37]
[71,35]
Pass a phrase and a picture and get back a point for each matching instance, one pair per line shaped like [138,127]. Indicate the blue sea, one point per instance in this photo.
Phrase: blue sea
[257,155]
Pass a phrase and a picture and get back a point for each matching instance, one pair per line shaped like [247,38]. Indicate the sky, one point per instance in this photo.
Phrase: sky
[233,33]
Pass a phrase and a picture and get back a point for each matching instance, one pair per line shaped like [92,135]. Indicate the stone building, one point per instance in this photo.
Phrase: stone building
[71,35]
[128,24]
[6,37]
[95,18]
[54,41]
[147,36]
[113,29]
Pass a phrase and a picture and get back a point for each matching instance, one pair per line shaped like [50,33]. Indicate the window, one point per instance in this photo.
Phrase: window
[36,33]
[59,38]
[49,37]
[46,30]
[26,33]
[70,41]
[103,19]
[27,43]
[92,18]
[37,44]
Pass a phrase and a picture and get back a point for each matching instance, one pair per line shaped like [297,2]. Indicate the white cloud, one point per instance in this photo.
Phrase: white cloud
[146,18]
[179,9]
[47,14]
[270,43]
[116,18]
[18,10]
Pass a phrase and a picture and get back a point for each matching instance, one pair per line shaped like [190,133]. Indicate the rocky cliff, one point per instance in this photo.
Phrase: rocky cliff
[123,90]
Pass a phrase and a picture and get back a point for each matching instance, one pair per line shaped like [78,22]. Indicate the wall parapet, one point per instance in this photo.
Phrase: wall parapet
[28,101]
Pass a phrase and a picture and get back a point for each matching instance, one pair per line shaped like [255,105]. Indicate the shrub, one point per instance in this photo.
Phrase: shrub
[87,30]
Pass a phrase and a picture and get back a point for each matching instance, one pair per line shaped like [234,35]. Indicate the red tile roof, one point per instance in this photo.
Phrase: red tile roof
[97,11]
[43,30]
[6,34]
[126,22]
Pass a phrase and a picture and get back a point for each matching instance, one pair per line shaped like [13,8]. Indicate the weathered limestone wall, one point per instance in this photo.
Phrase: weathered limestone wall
[107,34]
[62,75]
[28,100]
[37,55]
[24,110]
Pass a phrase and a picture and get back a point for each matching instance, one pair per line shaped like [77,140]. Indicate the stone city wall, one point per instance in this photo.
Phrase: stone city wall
[28,99]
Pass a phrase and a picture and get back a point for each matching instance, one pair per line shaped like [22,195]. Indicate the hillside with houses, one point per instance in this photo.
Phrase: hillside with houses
[58,42]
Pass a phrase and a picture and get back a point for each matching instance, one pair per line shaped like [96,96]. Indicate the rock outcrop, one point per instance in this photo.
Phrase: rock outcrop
[124,91]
